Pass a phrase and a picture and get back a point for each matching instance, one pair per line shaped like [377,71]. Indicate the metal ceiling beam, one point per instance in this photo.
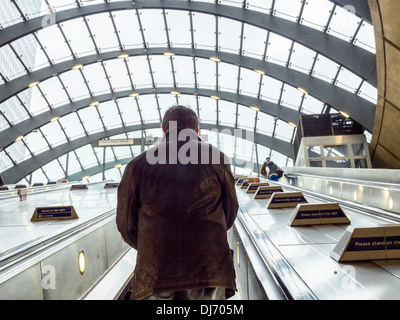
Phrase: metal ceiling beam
[353,58]
[23,169]
[23,128]
[358,108]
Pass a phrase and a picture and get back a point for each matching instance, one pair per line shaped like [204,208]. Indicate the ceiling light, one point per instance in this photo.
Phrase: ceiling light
[19,138]
[260,72]
[33,84]
[94,104]
[215,59]
[175,93]
[118,166]
[78,66]
[86,178]
[344,114]
[255,108]
[302,90]
[123,56]
[169,54]
[54,119]
[216,98]
[292,124]
[134,95]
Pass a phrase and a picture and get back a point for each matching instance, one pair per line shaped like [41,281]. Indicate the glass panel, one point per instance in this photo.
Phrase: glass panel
[206,71]
[53,133]
[302,58]
[129,111]
[72,126]
[278,49]
[9,14]
[103,31]
[366,38]
[229,35]
[263,6]
[128,28]
[358,149]
[254,41]
[78,37]
[90,119]
[227,77]
[208,109]
[179,28]
[184,71]
[325,69]
[162,71]
[149,109]
[13,68]
[153,27]
[118,74]
[140,72]
[369,92]
[291,97]
[52,39]
[113,174]
[109,113]
[314,152]
[348,81]
[53,171]
[96,79]
[73,163]
[38,103]
[27,49]
[5,162]
[343,24]
[361,163]
[75,84]
[271,89]
[284,131]
[316,13]
[54,92]
[204,30]
[13,111]
[86,156]
[39,177]
[249,82]
[227,113]
[246,118]
[265,123]
[36,142]
[336,151]
[312,105]
[288,9]
[338,164]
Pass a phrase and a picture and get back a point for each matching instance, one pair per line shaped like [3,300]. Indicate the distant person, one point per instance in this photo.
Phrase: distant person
[176,202]
[274,172]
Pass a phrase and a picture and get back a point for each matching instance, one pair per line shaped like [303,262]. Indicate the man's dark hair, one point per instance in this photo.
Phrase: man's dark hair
[185,117]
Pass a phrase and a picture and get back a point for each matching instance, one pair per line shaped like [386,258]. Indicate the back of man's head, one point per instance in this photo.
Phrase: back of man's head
[185,118]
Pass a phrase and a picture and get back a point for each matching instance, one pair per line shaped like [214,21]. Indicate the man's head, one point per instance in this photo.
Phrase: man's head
[185,118]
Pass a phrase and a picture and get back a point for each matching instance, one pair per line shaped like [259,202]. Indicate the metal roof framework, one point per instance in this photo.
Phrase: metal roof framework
[332,93]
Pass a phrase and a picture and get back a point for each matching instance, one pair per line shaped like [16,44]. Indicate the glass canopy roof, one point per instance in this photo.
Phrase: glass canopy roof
[202,82]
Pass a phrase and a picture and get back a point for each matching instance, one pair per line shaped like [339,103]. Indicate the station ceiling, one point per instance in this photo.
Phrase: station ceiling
[72,71]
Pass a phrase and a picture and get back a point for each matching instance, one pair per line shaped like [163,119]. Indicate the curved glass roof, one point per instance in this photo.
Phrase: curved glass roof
[76,71]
